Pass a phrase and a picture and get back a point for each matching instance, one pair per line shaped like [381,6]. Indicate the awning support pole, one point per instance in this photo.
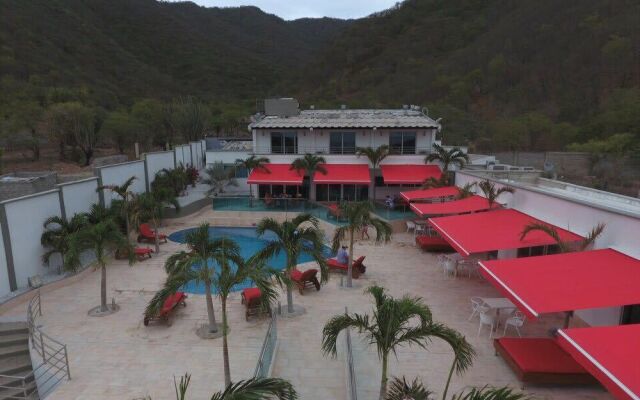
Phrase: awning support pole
[567,319]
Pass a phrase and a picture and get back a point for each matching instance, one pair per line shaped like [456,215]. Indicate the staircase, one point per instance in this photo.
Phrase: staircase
[16,372]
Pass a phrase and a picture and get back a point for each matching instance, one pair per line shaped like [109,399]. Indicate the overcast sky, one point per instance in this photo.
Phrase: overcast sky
[293,9]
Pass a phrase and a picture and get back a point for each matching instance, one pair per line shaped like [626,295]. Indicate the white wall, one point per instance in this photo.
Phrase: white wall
[5,289]
[25,217]
[179,159]
[117,174]
[79,196]
[227,157]
[157,162]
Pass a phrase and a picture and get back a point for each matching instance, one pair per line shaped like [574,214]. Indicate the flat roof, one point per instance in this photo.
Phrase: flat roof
[358,118]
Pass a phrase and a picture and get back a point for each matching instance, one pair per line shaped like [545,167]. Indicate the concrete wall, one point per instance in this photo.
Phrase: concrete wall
[117,174]
[157,162]
[196,156]
[5,288]
[78,196]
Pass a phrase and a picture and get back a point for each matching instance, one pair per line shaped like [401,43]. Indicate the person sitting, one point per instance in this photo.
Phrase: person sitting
[343,256]
[389,202]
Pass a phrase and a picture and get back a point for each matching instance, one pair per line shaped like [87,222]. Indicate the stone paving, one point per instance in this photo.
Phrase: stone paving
[117,357]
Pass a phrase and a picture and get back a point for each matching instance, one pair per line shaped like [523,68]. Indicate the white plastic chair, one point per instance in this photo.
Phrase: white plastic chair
[411,226]
[517,321]
[477,305]
[419,229]
[487,319]
[449,268]
[470,266]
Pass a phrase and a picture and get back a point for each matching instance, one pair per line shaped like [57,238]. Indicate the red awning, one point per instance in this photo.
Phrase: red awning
[275,174]
[349,174]
[426,194]
[491,231]
[399,174]
[463,206]
[610,353]
[567,282]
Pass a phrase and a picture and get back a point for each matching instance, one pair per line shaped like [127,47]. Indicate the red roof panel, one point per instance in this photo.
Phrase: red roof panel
[398,174]
[426,194]
[463,206]
[354,174]
[275,174]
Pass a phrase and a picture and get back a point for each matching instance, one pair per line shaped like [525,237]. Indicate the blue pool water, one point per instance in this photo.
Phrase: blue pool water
[249,243]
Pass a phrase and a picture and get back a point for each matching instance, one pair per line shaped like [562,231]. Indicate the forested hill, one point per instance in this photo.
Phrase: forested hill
[123,49]
[506,73]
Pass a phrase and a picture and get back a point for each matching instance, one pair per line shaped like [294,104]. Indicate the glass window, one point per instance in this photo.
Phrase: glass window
[363,193]
[402,142]
[342,143]
[334,192]
[322,192]
[349,193]
[284,143]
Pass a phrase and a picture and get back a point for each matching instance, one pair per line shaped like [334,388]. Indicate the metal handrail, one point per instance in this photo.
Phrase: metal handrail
[352,392]
[269,344]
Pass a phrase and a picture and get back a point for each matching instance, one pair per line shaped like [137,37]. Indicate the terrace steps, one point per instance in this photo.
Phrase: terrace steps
[15,363]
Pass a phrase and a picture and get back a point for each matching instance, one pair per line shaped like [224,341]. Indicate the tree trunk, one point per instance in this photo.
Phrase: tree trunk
[61,150]
[103,288]
[373,187]
[213,327]
[88,154]
[289,299]
[446,386]
[350,261]
[383,379]
[126,220]
[155,235]
[225,345]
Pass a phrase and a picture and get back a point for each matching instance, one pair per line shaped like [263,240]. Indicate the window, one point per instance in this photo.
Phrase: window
[402,142]
[284,143]
[239,172]
[342,143]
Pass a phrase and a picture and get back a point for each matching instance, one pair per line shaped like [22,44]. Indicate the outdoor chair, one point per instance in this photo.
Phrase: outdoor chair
[517,321]
[149,235]
[171,302]
[449,268]
[142,252]
[252,300]
[477,305]
[486,319]
[357,268]
[411,226]
[306,279]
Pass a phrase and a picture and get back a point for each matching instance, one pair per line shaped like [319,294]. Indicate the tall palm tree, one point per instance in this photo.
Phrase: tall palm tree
[217,264]
[564,247]
[218,178]
[358,216]
[375,157]
[56,236]
[466,190]
[396,322]
[492,194]
[453,156]
[101,238]
[126,197]
[150,207]
[294,237]
[250,163]
[250,389]
[309,165]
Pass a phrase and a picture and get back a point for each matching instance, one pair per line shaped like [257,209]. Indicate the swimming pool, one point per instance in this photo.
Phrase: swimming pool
[249,243]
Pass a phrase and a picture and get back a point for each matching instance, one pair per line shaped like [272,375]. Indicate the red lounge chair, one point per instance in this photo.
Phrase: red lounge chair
[148,235]
[334,211]
[252,299]
[305,279]
[169,305]
[541,361]
[142,252]
[433,243]
[357,267]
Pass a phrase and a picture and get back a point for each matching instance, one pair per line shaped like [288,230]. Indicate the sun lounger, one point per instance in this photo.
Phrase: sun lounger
[433,243]
[305,279]
[148,235]
[169,305]
[541,361]
[357,268]
[142,252]
[252,299]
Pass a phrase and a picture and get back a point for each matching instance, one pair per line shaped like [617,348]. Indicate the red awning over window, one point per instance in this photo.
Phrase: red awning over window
[426,194]
[566,282]
[407,174]
[491,231]
[610,353]
[463,206]
[348,174]
[275,174]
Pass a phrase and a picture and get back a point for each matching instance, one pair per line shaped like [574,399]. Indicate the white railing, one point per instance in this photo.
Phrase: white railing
[267,353]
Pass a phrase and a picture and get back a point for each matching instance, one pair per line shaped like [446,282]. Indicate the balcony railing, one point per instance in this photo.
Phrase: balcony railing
[327,150]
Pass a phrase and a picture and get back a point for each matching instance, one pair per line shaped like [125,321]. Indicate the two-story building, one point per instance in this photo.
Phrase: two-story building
[284,132]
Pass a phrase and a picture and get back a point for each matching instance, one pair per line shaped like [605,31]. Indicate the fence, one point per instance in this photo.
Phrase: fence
[268,351]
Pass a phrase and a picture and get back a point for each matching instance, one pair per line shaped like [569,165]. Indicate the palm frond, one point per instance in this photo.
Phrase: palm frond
[400,389]
[591,237]
[181,388]
[258,389]
[339,323]
[491,393]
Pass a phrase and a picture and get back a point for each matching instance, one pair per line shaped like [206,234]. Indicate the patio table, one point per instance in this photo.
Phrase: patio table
[497,303]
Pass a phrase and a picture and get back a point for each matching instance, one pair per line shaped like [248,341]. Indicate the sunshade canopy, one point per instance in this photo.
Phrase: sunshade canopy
[398,174]
[610,353]
[426,194]
[491,231]
[275,174]
[353,174]
[567,282]
[467,205]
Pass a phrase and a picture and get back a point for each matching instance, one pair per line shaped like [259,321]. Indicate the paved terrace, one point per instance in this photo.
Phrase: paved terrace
[117,357]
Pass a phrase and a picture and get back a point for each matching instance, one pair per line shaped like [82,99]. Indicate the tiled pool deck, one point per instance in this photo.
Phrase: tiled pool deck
[117,357]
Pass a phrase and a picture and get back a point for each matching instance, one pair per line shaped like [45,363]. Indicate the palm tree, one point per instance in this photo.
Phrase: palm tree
[250,163]
[432,182]
[492,194]
[56,237]
[400,389]
[150,207]
[294,237]
[250,389]
[491,393]
[218,178]
[564,247]
[126,196]
[101,238]
[358,216]
[375,157]
[218,265]
[453,156]
[466,190]
[309,164]
[397,322]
